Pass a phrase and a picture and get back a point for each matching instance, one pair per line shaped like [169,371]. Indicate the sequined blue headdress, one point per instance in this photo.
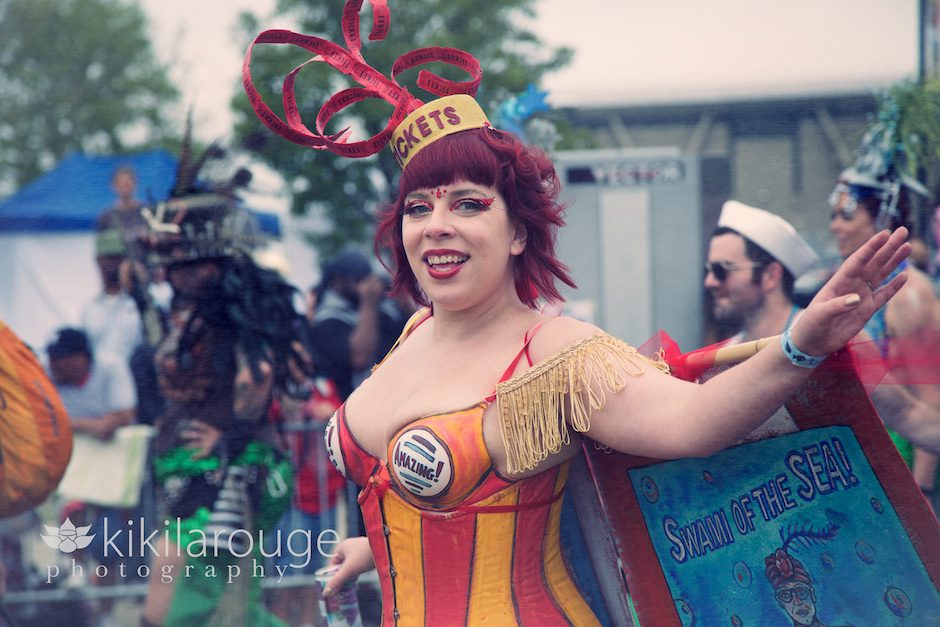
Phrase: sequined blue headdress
[880,168]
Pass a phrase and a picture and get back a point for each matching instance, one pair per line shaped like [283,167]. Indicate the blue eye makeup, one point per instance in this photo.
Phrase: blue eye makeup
[417,208]
[472,205]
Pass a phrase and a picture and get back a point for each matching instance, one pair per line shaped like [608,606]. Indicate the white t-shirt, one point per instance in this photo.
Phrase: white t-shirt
[112,323]
[109,388]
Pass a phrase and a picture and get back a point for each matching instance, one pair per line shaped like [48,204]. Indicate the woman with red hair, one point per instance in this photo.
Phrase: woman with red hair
[462,437]
[462,506]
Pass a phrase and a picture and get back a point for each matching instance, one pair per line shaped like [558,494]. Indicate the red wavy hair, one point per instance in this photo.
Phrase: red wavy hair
[525,178]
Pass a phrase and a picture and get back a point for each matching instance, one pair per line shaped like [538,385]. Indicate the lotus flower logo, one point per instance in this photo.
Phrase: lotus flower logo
[68,537]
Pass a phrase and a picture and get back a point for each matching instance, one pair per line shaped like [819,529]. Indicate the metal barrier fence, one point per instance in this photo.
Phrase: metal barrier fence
[347,523]
[87,593]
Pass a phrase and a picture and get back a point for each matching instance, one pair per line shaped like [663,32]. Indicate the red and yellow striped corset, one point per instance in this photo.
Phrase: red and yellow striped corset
[456,543]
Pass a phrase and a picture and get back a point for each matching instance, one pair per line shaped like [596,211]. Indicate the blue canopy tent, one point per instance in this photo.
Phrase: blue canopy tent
[47,237]
[70,197]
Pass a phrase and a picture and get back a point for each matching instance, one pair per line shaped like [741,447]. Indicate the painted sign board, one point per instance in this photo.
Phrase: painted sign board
[821,523]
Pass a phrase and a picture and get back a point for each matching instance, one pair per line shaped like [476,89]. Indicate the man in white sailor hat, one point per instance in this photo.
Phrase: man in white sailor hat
[754,259]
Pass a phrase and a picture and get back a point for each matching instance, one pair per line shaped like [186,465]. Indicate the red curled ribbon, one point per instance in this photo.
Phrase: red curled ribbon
[349,61]
[909,361]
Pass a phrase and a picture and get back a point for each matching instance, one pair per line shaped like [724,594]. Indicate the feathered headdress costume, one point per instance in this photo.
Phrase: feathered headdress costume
[880,169]
[412,125]
[254,305]
[200,220]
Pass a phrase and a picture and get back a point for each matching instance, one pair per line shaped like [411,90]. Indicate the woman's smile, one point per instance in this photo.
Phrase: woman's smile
[444,264]
[462,237]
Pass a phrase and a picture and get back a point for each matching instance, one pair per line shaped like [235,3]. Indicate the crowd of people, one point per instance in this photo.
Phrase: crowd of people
[461,440]
[108,375]
[442,399]
[190,335]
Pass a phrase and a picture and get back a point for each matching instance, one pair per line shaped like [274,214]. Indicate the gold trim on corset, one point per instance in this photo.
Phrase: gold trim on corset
[533,411]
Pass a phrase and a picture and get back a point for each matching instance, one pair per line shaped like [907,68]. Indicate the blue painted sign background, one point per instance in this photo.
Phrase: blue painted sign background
[713,522]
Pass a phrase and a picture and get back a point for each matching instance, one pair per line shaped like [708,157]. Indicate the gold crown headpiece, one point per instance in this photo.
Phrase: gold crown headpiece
[412,125]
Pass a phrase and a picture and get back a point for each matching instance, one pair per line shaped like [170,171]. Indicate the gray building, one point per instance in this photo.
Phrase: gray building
[781,153]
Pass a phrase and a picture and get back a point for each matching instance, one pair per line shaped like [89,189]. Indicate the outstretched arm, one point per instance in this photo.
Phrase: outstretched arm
[911,321]
[916,420]
[658,416]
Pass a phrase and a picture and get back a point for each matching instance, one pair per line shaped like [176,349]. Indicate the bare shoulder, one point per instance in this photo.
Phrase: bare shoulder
[914,306]
[918,281]
[559,333]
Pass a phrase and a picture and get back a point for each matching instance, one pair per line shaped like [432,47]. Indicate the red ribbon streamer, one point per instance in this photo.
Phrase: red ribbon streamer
[909,361]
[349,61]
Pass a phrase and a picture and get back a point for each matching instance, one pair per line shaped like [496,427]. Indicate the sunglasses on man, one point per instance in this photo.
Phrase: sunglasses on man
[721,269]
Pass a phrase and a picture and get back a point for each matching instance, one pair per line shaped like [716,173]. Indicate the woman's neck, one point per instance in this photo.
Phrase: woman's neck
[486,318]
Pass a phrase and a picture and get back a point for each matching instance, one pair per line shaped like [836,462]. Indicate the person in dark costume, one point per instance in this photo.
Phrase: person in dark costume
[229,350]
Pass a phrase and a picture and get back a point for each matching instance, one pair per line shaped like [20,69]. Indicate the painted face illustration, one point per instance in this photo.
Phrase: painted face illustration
[799,602]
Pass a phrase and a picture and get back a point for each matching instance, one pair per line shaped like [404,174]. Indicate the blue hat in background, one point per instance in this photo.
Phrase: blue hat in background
[67,342]
[349,264]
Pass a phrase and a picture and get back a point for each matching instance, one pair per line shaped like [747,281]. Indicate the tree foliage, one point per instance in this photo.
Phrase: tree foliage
[346,192]
[918,104]
[75,75]
[915,106]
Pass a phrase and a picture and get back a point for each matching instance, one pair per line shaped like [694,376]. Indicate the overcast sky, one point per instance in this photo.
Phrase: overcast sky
[626,50]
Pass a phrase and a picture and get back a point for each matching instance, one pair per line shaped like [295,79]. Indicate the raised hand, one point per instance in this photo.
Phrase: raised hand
[200,436]
[853,294]
[370,290]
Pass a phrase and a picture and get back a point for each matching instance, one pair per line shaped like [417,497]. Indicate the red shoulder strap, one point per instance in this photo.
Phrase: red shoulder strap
[529,334]
[414,321]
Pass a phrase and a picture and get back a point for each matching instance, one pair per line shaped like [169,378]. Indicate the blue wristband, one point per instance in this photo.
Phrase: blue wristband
[795,355]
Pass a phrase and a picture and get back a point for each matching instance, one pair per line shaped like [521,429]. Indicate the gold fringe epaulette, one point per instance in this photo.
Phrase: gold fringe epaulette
[536,407]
